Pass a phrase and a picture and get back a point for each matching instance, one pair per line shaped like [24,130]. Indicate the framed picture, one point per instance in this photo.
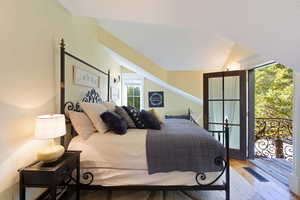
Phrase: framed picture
[156,99]
[85,78]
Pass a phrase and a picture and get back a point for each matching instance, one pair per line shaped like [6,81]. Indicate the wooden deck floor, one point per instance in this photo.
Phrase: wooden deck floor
[278,168]
[268,190]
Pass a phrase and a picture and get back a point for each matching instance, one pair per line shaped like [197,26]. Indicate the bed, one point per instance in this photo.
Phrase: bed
[115,162]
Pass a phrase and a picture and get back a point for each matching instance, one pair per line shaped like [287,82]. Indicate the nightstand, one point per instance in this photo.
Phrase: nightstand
[54,175]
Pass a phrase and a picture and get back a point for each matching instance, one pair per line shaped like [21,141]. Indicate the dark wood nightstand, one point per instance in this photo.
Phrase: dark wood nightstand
[54,175]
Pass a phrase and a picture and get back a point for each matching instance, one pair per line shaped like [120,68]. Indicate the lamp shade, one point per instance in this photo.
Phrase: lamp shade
[50,126]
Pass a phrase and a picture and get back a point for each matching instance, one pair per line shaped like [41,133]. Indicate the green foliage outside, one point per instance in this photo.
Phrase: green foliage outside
[274,92]
[133,96]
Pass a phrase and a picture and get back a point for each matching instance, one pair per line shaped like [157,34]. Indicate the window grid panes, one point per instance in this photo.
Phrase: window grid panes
[231,111]
[134,96]
[224,103]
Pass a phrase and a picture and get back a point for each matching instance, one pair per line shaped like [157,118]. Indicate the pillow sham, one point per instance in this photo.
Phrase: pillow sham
[109,105]
[135,116]
[115,122]
[93,111]
[156,115]
[122,112]
[82,124]
[149,120]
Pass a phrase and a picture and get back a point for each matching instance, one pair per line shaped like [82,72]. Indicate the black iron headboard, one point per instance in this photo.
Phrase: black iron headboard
[91,96]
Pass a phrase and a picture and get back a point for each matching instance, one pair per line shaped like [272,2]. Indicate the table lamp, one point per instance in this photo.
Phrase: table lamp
[49,127]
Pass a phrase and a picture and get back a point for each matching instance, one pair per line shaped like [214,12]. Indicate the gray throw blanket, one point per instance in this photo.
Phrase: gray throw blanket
[181,145]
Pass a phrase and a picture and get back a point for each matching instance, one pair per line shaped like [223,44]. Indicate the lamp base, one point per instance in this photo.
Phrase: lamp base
[51,154]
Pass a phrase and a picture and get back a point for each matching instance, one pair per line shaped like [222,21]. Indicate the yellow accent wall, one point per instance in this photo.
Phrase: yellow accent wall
[29,36]
[176,104]
[130,54]
[188,81]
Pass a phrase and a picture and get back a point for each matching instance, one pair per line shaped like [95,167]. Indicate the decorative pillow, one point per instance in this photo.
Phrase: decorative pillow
[115,122]
[109,105]
[149,120]
[93,111]
[156,115]
[122,112]
[135,116]
[82,124]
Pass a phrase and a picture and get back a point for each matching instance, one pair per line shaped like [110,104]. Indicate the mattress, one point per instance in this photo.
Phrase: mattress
[118,160]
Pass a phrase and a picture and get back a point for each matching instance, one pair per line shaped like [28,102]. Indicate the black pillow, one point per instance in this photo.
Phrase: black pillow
[150,120]
[135,116]
[114,122]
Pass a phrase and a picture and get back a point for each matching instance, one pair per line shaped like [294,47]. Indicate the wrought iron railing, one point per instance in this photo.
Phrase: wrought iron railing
[273,138]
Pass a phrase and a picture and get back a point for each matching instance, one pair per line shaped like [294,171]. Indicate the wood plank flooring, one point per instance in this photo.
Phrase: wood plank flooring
[244,186]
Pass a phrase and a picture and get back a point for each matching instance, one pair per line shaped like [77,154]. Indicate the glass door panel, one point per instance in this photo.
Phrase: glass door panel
[216,127]
[232,111]
[215,88]
[231,87]
[225,98]
[215,111]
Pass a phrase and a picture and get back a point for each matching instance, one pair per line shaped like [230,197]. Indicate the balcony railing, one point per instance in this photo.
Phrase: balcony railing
[273,138]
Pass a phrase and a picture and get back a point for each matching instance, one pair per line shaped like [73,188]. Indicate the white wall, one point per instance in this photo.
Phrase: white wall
[29,36]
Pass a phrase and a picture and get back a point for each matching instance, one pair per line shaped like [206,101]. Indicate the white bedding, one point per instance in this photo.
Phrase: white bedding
[121,160]
[111,150]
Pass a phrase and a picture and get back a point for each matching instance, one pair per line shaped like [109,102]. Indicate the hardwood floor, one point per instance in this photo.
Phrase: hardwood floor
[271,190]
[244,186]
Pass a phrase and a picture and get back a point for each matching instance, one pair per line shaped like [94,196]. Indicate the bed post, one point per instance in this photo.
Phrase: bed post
[227,174]
[62,81]
[108,85]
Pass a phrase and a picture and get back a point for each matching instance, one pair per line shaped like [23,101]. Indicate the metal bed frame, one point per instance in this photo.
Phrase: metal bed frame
[88,177]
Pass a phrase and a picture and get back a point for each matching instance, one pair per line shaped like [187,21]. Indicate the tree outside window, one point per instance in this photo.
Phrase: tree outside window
[274,92]
[132,90]
[134,96]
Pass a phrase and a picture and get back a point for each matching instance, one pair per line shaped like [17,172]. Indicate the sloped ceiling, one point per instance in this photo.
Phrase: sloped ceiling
[171,47]
[267,27]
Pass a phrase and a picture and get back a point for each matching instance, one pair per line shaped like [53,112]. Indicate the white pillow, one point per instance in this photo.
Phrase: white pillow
[82,124]
[93,111]
[109,105]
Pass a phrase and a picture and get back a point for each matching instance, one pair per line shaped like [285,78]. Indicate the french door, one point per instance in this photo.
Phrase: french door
[225,98]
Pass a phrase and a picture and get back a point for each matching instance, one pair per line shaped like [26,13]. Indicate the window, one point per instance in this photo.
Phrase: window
[132,90]
[134,96]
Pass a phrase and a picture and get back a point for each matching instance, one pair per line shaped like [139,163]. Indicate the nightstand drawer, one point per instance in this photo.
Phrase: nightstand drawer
[41,179]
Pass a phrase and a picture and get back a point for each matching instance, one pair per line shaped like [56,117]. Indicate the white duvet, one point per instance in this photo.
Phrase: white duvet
[110,150]
[121,160]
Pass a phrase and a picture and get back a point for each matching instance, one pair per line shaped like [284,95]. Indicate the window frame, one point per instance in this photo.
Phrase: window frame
[132,79]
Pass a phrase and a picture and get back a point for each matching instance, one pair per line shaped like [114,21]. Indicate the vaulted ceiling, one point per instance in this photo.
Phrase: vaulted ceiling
[174,48]
[199,34]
